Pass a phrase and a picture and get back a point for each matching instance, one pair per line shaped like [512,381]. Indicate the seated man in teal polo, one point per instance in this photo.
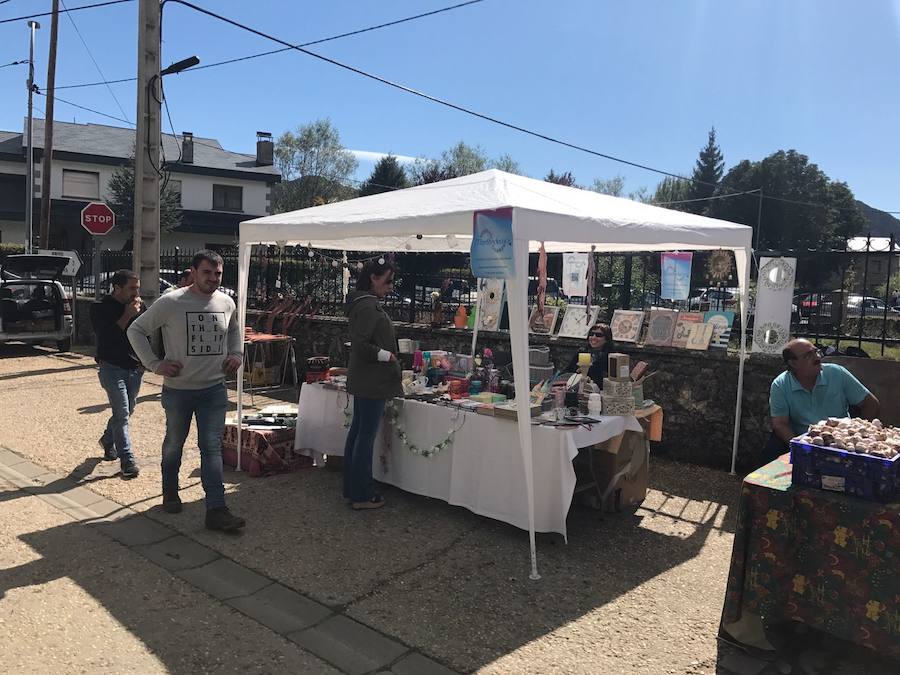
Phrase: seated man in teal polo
[810,391]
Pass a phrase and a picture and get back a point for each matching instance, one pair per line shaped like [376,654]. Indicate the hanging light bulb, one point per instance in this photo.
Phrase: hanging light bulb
[311,253]
[381,261]
[359,265]
[334,263]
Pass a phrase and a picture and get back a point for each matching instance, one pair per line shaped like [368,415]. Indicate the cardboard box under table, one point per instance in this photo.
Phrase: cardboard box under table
[616,473]
[263,451]
[481,469]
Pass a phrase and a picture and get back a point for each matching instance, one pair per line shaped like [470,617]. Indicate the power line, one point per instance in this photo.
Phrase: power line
[14,63]
[74,9]
[706,199]
[287,49]
[81,107]
[96,65]
[433,99]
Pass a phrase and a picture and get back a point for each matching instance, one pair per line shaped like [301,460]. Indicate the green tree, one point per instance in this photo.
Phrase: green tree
[615,187]
[566,178]
[460,160]
[506,163]
[672,189]
[611,186]
[826,215]
[387,175]
[121,200]
[315,167]
[707,173]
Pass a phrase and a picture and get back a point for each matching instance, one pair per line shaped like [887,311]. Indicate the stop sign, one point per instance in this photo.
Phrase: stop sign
[97,218]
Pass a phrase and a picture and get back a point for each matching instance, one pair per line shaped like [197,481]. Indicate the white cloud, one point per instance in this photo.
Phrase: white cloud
[370,156]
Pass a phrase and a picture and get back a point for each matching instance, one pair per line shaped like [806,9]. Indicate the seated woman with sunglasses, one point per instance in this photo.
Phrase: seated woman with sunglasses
[600,344]
[810,391]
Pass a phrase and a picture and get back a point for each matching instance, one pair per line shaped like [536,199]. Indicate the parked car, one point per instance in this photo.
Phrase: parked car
[34,306]
[858,305]
[713,298]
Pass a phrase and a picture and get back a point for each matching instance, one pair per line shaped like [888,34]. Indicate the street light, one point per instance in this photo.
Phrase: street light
[179,66]
[29,149]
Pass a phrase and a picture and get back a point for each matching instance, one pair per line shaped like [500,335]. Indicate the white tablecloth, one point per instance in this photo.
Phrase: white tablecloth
[482,470]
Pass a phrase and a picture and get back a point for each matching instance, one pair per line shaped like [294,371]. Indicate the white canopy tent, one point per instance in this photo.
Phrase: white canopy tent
[438,217]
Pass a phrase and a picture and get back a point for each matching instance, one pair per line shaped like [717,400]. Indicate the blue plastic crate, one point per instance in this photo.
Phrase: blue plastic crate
[875,479]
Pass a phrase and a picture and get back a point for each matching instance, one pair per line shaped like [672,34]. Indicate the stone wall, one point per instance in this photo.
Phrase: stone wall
[696,389]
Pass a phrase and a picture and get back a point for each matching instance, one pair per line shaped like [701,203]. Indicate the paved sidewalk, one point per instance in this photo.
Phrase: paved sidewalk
[279,630]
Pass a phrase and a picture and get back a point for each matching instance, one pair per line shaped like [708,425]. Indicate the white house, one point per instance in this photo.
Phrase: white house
[218,188]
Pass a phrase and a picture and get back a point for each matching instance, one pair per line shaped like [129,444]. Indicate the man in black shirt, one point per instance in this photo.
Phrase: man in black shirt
[120,369]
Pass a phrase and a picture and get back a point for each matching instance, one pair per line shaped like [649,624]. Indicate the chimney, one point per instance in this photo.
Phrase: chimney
[264,149]
[187,147]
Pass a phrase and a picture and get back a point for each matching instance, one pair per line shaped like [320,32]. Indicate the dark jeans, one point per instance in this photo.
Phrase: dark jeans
[775,448]
[121,386]
[209,406]
[358,485]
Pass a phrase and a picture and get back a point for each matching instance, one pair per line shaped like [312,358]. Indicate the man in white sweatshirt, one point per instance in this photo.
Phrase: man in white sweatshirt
[203,344]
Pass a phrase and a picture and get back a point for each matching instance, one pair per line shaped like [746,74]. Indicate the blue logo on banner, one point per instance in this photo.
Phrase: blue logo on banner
[492,249]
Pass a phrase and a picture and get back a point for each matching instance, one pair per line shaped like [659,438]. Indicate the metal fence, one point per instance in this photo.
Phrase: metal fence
[842,297]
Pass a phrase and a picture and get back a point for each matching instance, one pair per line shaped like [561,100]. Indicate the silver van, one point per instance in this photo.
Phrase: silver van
[34,306]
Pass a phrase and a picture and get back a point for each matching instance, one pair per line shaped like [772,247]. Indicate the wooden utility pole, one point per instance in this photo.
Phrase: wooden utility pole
[48,130]
[29,145]
[145,239]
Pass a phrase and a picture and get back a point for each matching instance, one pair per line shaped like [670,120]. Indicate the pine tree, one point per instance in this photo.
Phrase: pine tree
[707,173]
[387,175]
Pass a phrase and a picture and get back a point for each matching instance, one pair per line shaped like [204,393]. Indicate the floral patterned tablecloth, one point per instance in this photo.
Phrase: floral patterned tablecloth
[817,557]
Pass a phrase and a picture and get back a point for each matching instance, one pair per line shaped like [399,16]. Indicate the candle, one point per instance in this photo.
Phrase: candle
[584,359]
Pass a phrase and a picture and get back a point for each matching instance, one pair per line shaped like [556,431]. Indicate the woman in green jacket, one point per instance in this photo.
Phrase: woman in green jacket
[372,378]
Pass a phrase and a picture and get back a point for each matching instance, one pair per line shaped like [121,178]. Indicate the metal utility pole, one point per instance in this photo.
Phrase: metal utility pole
[29,144]
[48,130]
[145,239]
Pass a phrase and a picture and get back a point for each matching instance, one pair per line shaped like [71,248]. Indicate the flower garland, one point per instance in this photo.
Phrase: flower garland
[392,414]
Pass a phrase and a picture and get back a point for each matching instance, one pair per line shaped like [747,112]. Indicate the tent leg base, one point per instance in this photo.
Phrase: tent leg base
[534,576]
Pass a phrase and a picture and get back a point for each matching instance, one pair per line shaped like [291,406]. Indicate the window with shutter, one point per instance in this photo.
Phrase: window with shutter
[81,184]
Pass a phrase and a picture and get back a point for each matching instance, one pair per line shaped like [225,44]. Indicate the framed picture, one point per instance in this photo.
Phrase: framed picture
[683,327]
[543,325]
[722,323]
[626,325]
[490,303]
[700,335]
[577,321]
[661,327]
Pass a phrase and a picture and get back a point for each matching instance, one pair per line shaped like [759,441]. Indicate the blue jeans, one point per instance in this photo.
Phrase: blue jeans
[358,485]
[209,406]
[122,386]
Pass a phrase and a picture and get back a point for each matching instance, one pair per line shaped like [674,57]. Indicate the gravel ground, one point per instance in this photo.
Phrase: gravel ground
[638,593]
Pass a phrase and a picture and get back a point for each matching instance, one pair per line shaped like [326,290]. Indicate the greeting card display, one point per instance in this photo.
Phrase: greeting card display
[577,321]
[722,323]
[661,327]
[543,325]
[626,325]
[700,335]
[683,327]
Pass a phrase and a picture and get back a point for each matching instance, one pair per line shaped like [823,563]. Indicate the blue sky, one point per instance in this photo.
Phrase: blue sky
[643,79]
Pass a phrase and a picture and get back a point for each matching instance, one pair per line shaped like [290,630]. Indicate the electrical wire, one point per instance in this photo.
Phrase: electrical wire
[428,97]
[85,108]
[287,49]
[93,60]
[706,199]
[14,63]
[73,9]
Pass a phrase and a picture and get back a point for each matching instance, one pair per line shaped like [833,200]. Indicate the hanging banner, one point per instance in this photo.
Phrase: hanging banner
[675,275]
[492,249]
[575,267]
[772,314]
